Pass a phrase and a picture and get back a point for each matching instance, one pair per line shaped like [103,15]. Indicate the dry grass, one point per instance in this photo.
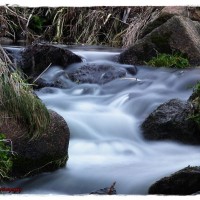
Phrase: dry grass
[137,24]
[92,26]
[112,26]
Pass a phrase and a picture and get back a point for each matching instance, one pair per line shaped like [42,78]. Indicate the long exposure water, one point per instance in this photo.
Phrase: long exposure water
[106,143]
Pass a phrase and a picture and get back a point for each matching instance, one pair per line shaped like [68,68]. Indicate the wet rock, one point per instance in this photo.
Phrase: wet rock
[183,182]
[178,34]
[96,73]
[171,121]
[43,154]
[36,58]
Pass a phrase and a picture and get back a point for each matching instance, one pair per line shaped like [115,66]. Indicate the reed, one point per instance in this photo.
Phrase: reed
[143,15]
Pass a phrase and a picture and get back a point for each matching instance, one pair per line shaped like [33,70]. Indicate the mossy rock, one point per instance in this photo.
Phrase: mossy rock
[47,152]
[178,34]
[165,14]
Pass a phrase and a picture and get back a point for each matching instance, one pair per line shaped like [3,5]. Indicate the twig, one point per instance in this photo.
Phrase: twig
[42,73]
[15,13]
[40,167]
[135,79]
[28,20]
[5,55]
[112,188]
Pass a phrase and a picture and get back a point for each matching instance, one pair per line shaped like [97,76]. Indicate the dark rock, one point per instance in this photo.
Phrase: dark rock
[183,182]
[171,121]
[178,34]
[46,153]
[36,58]
[96,73]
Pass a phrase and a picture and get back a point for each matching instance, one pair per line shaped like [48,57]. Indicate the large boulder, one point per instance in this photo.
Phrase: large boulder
[45,153]
[172,121]
[165,14]
[183,182]
[36,58]
[178,34]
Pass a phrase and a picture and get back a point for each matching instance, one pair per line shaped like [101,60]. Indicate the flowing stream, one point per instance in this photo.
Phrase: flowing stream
[106,143]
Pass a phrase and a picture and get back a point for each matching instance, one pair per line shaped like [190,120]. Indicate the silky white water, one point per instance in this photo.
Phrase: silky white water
[106,143]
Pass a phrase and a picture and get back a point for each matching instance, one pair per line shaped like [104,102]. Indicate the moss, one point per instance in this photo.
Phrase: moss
[167,60]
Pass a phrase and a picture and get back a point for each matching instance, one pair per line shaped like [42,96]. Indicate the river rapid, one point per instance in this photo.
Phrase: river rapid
[106,143]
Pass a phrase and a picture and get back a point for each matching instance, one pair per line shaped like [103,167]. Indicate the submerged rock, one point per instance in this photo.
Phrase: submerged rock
[86,73]
[178,34]
[183,182]
[36,58]
[171,121]
[96,73]
[45,153]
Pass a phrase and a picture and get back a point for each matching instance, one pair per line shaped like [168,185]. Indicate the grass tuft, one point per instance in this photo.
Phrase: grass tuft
[6,158]
[167,60]
[18,101]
